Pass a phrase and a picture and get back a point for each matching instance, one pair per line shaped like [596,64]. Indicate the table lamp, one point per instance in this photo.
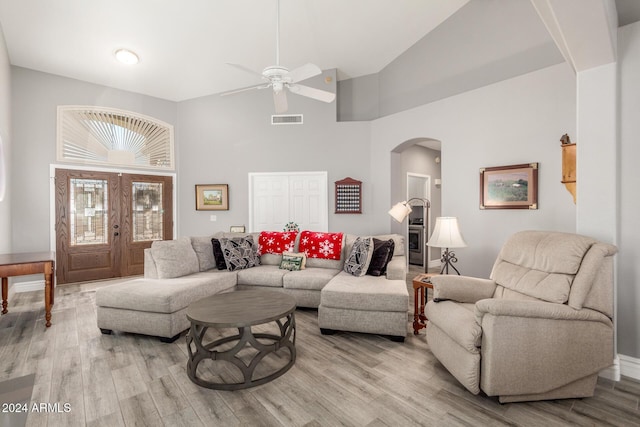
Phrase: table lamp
[446,234]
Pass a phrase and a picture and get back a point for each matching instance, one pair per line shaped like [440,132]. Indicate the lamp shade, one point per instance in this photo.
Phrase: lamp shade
[446,233]
[399,211]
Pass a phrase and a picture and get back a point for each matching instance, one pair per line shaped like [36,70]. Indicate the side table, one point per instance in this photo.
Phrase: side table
[420,284]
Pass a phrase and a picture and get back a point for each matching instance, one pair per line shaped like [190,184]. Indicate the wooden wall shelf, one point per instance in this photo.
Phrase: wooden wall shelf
[569,168]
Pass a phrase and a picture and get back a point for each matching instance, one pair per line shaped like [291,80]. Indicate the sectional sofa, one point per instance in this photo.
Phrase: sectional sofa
[179,272]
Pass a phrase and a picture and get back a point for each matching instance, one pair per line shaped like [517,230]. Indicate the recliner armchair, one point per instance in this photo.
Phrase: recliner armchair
[540,328]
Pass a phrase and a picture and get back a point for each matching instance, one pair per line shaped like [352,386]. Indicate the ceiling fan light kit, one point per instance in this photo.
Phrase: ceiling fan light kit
[280,79]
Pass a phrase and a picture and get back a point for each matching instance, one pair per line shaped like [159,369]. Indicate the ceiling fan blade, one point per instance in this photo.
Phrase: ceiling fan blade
[304,72]
[245,69]
[280,101]
[245,89]
[310,92]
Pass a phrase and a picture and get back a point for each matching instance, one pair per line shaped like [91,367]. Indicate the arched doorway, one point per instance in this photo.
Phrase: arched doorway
[412,162]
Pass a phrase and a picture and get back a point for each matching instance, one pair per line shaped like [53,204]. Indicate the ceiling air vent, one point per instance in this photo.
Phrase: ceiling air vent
[286,119]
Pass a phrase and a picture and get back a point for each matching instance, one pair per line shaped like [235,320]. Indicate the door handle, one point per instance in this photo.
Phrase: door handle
[116,234]
[116,226]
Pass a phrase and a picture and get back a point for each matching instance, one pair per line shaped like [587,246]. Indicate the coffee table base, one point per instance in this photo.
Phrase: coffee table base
[199,352]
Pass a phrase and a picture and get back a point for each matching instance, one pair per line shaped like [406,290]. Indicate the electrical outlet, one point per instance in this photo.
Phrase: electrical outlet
[213,218]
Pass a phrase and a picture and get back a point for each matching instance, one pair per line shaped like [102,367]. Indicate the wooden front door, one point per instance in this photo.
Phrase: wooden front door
[104,221]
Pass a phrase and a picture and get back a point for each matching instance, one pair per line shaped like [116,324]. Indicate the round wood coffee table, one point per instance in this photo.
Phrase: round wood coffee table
[241,310]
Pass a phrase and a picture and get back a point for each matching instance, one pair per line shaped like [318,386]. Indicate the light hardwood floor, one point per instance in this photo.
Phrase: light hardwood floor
[343,379]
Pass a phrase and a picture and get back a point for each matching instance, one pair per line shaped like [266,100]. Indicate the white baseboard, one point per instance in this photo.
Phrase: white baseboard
[630,366]
[36,285]
[613,371]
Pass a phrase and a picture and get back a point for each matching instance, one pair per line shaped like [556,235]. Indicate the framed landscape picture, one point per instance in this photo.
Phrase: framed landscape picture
[212,197]
[509,187]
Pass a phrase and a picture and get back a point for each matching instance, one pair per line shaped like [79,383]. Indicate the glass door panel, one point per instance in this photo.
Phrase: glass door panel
[89,220]
[147,211]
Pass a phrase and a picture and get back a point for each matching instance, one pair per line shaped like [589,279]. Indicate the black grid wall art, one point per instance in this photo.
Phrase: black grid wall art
[349,196]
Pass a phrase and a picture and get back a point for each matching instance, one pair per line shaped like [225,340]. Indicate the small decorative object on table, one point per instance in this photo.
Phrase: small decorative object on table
[420,284]
[291,226]
[237,229]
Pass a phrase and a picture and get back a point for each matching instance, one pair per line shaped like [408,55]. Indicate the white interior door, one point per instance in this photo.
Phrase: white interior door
[278,198]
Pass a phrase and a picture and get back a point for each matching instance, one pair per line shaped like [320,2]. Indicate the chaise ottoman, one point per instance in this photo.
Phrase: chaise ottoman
[157,307]
[369,304]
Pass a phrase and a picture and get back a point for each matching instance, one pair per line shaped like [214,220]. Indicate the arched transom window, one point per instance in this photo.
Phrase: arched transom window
[108,136]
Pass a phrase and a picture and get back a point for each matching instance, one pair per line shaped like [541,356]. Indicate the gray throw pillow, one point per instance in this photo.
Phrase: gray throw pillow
[240,253]
[174,258]
[358,260]
[203,249]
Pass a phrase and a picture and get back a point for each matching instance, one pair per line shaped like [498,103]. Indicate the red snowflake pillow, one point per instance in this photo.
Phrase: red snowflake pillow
[321,245]
[276,242]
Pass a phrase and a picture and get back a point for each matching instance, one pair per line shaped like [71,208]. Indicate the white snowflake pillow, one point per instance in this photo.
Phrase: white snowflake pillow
[357,263]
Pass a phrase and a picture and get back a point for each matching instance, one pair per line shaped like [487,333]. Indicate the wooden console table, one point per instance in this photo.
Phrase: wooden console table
[29,263]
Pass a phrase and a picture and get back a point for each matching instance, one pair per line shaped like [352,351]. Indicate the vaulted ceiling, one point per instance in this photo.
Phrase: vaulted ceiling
[184,45]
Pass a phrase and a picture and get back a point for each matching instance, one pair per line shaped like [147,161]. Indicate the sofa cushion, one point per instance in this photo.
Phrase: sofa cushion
[534,283]
[458,321]
[239,252]
[541,264]
[559,253]
[174,258]
[204,251]
[382,254]
[310,278]
[263,275]
[276,242]
[359,258]
[365,293]
[164,295]
[321,245]
[218,255]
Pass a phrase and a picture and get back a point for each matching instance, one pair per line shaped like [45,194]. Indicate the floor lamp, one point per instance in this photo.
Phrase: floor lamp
[401,210]
[446,234]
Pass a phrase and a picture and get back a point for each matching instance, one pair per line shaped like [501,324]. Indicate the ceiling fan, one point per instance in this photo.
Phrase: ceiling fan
[281,79]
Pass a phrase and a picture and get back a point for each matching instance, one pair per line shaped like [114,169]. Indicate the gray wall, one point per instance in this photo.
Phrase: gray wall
[629,199]
[5,133]
[484,42]
[358,99]
[489,127]
[223,139]
[35,99]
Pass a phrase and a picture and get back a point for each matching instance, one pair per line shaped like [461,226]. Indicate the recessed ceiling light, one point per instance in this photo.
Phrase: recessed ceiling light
[127,57]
